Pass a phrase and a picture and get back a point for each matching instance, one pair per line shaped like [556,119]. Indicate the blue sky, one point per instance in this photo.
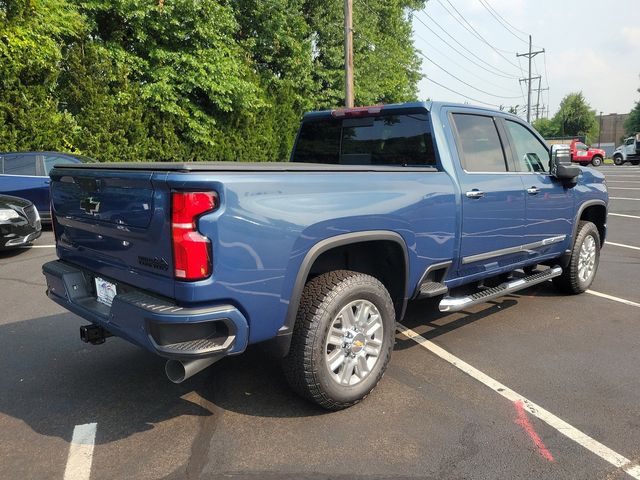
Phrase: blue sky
[591,46]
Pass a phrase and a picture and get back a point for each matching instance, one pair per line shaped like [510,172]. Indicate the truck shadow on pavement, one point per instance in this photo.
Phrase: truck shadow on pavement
[52,381]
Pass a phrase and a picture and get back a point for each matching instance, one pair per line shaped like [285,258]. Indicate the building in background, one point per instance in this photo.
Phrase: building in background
[611,131]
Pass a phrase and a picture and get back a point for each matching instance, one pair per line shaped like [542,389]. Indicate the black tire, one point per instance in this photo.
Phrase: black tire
[306,366]
[571,281]
[584,164]
[635,162]
[618,160]
[596,161]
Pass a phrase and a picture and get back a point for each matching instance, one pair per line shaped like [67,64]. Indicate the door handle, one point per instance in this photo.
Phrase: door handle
[475,193]
[533,191]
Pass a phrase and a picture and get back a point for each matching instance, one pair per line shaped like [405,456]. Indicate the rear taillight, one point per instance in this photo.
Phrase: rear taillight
[191,250]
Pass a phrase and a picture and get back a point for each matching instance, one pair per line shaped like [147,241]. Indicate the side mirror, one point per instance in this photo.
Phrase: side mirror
[561,166]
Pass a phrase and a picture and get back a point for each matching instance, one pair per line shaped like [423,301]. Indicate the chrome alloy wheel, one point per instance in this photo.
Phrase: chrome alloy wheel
[587,259]
[354,342]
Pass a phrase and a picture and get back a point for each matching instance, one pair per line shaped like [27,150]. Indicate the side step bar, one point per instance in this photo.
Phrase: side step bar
[455,304]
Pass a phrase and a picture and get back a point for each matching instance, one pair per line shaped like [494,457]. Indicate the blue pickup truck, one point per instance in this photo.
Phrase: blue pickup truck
[318,257]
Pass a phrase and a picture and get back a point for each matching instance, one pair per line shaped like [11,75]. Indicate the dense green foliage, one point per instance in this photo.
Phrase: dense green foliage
[574,118]
[632,123]
[189,79]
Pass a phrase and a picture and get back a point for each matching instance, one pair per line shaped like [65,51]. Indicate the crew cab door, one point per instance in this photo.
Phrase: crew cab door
[549,204]
[493,197]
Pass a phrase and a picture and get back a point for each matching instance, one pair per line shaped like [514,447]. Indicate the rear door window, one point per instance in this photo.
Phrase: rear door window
[20,164]
[479,142]
[402,140]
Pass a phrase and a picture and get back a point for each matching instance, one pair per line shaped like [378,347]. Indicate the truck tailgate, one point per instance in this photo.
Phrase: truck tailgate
[116,224]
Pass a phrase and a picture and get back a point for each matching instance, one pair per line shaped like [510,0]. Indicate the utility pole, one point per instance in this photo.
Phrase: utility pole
[539,89]
[348,53]
[530,56]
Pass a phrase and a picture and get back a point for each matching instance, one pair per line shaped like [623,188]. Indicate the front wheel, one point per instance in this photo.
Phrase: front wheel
[618,160]
[342,339]
[578,276]
[596,161]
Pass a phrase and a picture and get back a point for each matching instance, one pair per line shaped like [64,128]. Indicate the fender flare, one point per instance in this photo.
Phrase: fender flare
[283,340]
[583,207]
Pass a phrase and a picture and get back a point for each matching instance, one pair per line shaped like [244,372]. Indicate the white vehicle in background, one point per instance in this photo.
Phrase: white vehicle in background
[629,151]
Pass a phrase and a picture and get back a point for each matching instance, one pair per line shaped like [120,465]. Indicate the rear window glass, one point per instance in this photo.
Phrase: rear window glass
[383,140]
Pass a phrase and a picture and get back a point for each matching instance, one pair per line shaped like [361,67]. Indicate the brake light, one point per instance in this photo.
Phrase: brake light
[191,249]
[357,112]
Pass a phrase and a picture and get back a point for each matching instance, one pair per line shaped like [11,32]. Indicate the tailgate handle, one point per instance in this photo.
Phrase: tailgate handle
[89,184]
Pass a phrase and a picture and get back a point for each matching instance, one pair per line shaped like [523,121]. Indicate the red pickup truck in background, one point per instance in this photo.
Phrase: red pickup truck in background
[585,155]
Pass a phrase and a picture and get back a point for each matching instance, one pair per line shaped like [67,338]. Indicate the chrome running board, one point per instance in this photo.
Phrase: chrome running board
[455,304]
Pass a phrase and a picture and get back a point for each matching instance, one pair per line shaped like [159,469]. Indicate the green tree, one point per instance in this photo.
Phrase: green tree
[32,37]
[632,123]
[546,127]
[189,79]
[386,65]
[575,117]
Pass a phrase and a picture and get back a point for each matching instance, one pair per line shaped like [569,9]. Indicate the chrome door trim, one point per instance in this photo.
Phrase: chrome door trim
[507,251]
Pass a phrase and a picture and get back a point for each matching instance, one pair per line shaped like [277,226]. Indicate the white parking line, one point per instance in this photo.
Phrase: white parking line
[623,215]
[81,452]
[623,181]
[623,198]
[550,419]
[37,246]
[624,188]
[622,245]
[615,299]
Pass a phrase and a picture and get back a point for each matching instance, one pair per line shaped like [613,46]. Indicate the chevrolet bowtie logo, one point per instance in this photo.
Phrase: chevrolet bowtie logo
[90,205]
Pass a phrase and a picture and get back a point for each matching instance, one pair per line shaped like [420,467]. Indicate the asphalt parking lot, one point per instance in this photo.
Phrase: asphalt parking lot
[572,363]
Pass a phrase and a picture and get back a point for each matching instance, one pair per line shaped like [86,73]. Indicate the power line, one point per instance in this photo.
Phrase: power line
[463,82]
[478,33]
[501,72]
[431,47]
[462,94]
[466,26]
[488,6]
[488,9]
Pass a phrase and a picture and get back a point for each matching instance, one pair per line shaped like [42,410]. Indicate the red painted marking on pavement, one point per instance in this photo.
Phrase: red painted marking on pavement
[523,421]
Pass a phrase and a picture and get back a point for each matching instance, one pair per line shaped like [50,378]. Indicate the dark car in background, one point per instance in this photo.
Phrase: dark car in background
[19,222]
[26,175]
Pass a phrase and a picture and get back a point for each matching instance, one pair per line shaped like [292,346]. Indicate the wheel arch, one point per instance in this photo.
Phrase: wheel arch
[326,256]
[594,211]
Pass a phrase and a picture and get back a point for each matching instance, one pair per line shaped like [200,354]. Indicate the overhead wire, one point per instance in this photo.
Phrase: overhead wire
[502,22]
[431,47]
[495,71]
[478,33]
[463,82]
[462,94]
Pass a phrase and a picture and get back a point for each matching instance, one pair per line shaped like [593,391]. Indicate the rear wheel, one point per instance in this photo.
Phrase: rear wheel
[618,160]
[578,276]
[596,161]
[635,162]
[584,164]
[342,339]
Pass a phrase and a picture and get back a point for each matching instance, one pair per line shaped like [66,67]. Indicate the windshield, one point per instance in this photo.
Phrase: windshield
[383,140]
